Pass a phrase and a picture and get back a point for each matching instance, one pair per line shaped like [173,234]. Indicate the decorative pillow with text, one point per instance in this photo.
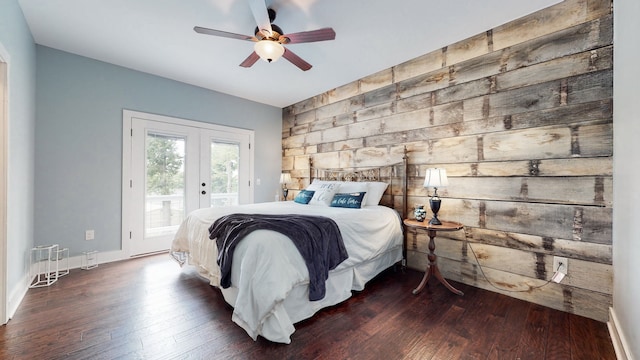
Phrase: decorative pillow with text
[323,193]
[348,200]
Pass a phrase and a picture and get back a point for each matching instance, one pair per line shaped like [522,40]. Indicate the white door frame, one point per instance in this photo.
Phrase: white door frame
[127,170]
[4,127]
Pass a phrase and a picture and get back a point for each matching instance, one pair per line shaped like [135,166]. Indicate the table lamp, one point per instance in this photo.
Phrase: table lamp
[435,178]
[285,178]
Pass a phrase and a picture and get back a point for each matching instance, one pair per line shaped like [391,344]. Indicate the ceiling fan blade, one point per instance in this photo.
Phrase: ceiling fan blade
[206,31]
[250,60]
[309,36]
[296,60]
[261,15]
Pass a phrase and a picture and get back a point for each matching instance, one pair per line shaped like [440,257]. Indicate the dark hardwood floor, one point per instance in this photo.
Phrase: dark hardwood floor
[150,308]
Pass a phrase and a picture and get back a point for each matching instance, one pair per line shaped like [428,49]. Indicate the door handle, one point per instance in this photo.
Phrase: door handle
[204,192]
[203,184]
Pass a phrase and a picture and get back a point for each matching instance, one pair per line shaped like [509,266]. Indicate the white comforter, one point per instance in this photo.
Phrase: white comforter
[269,276]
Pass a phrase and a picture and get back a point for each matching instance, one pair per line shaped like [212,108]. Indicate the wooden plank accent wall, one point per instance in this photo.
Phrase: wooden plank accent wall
[521,119]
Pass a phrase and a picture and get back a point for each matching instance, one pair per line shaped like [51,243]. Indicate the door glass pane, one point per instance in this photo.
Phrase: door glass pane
[225,158]
[165,180]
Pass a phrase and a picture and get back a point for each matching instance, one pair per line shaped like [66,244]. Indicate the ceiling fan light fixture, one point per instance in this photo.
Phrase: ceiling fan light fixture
[269,50]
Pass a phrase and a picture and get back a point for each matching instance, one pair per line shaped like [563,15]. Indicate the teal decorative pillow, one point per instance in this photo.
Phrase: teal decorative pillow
[350,200]
[304,196]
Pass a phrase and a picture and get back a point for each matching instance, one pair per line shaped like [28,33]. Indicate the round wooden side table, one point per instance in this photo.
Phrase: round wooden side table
[432,267]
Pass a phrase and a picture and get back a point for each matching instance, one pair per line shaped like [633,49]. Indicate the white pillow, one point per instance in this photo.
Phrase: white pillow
[375,192]
[317,182]
[355,187]
[324,192]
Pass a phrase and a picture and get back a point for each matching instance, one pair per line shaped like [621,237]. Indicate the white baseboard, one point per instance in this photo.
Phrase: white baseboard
[103,258]
[18,293]
[620,343]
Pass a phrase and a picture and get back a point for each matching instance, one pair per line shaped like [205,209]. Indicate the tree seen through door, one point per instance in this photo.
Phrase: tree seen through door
[225,159]
[164,183]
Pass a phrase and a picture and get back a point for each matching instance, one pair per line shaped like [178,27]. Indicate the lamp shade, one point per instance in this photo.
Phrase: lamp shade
[285,178]
[269,50]
[436,178]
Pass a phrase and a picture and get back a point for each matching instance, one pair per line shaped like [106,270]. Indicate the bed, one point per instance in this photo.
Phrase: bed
[269,278]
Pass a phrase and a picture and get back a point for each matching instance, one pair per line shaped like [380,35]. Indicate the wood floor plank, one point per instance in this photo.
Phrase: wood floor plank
[533,341]
[559,331]
[150,308]
[434,338]
[505,345]
[478,336]
[583,328]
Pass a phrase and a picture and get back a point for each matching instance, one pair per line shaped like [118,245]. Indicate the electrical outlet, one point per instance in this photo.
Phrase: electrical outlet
[560,264]
[89,235]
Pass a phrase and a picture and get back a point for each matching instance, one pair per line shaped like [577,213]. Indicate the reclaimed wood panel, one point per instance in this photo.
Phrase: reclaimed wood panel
[577,166]
[344,92]
[580,38]
[379,111]
[324,123]
[376,81]
[293,152]
[431,81]
[303,106]
[418,66]
[468,71]
[559,190]
[447,150]
[567,66]
[552,19]
[312,138]
[590,252]
[415,120]
[561,221]
[333,109]
[381,95]
[538,143]
[305,117]
[469,48]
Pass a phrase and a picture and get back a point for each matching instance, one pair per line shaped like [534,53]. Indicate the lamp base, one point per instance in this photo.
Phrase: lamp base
[285,192]
[435,202]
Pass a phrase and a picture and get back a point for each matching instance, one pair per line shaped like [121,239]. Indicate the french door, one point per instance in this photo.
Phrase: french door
[178,166]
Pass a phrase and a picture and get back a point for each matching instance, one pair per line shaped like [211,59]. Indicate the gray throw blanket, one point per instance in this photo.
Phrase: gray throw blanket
[317,238]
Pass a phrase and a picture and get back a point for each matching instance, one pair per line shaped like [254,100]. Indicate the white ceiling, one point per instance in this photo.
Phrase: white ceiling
[157,37]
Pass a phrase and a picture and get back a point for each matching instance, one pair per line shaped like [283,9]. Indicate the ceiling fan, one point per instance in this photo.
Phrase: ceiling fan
[269,38]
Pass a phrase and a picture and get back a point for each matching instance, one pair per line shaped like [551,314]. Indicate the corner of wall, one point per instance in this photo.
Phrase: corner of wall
[618,338]
[16,295]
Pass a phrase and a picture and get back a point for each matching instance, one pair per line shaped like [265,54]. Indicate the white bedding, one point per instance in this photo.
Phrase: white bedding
[269,278]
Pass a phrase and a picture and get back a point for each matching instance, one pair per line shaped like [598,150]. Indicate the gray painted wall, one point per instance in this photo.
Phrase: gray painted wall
[626,198]
[78,151]
[16,39]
